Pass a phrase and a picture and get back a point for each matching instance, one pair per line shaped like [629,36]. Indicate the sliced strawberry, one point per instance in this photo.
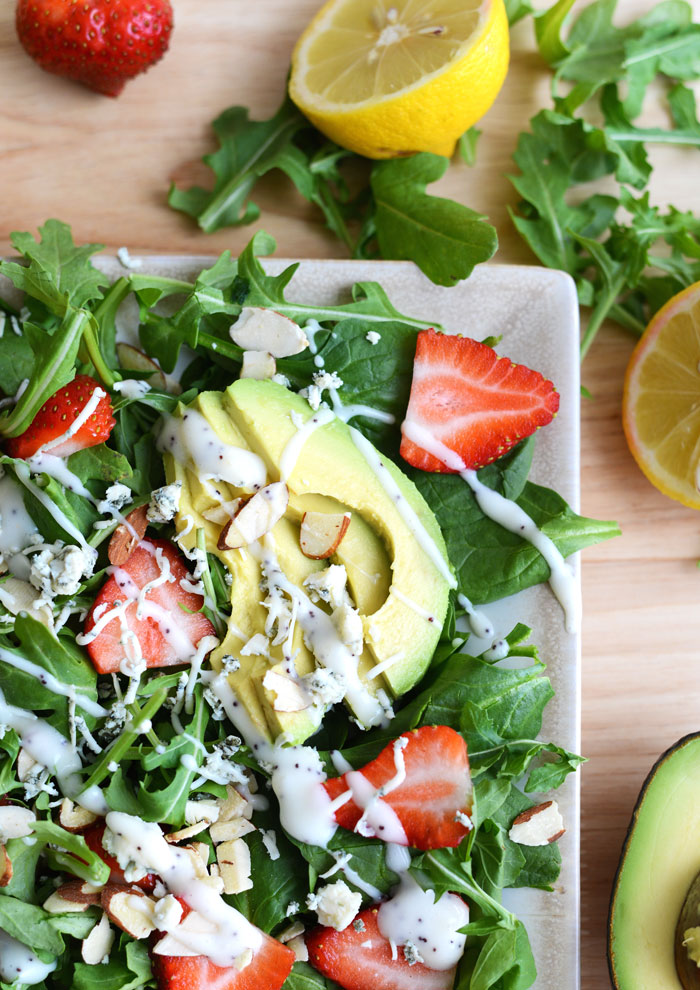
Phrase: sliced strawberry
[166,622]
[464,397]
[56,416]
[268,969]
[93,838]
[363,960]
[437,787]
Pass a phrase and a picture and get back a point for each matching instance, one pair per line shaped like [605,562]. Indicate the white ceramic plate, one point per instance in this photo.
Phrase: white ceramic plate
[536,312]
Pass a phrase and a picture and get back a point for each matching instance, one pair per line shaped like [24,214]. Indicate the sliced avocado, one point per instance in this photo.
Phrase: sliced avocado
[659,861]
[330,463]
[379,551]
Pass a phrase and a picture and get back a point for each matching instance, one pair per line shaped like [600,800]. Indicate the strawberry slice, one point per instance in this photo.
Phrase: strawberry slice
[437,787]
[359,960]
[268,969]
[164,624]
[56,417]
[464,397]
[93,838]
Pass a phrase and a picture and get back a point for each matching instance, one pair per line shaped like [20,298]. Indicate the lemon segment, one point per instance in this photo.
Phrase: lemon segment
[661,403]
[389,79]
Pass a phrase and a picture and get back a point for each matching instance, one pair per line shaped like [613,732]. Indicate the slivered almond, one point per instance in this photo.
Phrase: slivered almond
[289,696]
[259,365]
[72,897]
[223,513]
[260,329]
[126,538]
[187,832]
[98,943]
[321,533]
[15,822]
[538,826]
[131,358]
[255,517]
[194,923]
[5,867]
[235,866]
[73,818]
[234,805]
[129,908]
[234,829]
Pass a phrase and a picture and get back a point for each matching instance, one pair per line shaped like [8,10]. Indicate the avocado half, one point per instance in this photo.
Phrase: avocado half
[399,592]
[659,861]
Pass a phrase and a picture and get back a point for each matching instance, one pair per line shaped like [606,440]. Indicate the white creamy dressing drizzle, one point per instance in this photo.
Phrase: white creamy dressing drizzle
[293,449]
[432,927]
[229,933]
[22,472]
[378,818]
[49,748]
[405,510]
[321,636]
[194,443]
[511,517]
[19,965]
[51,682]
[342,411]
[479,622]
[414,606]
[17,529]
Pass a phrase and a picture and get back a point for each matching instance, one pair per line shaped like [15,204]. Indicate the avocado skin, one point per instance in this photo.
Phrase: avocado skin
[619,929]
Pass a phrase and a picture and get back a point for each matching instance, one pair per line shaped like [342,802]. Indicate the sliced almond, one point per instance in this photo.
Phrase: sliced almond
[298,947]
[321,533]
[538,826]
[72,897]
[20,596]
[255,517]
[25,764]
[73,818]
[201,849]
[259,365]
[289,696]
[198,811]
[296,928]
[227,831]
[234,805]
[129,908]
[99,942]
[15,822]
[221,514]
[127,536]
[131,358]
[187,832]
[259,329]
[234,863]
[5,867]
[193,924]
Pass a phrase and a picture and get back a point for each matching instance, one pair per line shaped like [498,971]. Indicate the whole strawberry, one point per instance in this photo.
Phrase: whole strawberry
[99,43]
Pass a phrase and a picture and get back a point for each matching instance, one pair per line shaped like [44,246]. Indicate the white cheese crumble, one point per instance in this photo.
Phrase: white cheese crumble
[126,261]
[335,904]
[59,569]
[116,497]
[164,503]
[373,337]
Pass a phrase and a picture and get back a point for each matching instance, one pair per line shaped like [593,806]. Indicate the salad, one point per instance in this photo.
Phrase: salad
[243,742]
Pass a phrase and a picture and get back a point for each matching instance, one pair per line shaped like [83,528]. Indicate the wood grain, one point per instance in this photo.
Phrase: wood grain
[105,166]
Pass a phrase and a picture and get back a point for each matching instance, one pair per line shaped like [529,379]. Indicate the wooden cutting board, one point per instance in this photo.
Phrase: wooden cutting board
[105,166]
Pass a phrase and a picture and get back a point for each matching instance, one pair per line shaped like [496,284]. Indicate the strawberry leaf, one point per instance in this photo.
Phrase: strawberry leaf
[445,239]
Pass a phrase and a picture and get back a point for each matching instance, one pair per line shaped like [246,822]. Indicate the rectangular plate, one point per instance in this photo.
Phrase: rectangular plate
[535,311]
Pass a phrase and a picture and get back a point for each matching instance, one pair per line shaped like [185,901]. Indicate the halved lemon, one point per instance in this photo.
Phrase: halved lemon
[661,403]
[387,78]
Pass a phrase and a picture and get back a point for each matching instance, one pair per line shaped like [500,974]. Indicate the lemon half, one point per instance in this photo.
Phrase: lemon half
[387,79]
[661,403]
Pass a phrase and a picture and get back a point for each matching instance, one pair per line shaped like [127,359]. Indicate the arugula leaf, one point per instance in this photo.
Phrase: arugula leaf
[30,925]
[59,272]
[129,968]
[53,367]
[505,960]
[445,239]
[16,361]
[491,562]
[247,150]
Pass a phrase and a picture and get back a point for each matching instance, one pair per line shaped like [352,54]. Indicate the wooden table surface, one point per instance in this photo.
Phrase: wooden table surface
[105,166]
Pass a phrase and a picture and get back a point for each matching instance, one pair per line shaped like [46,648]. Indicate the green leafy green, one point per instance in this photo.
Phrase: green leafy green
[445,239]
